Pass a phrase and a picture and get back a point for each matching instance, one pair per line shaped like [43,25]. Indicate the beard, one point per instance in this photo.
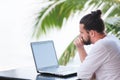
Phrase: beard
[87,41]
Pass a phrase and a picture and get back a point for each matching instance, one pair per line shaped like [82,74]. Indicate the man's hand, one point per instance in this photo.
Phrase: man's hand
[80,46]
[79,42]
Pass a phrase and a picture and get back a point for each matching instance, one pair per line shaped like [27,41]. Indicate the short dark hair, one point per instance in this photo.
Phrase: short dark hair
[93,21]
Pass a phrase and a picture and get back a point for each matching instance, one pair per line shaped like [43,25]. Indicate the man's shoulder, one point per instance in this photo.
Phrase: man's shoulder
[108,42]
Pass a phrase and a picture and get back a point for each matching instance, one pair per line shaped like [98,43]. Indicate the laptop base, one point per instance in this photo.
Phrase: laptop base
[58,76]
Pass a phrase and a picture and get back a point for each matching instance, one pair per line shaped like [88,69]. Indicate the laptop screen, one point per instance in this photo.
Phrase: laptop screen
[44,54]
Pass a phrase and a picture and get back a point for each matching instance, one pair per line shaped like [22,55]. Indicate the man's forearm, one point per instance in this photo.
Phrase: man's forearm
[82,54]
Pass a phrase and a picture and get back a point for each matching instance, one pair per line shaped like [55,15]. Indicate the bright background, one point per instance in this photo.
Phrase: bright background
[17,18]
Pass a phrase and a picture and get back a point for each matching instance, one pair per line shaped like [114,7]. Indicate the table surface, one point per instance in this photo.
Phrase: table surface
[27,73]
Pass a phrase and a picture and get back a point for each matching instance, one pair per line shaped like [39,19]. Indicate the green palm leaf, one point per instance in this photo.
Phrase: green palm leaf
[57,15]
[113,26]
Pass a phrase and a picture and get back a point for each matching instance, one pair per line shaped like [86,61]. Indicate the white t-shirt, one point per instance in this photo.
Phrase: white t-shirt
[103,60]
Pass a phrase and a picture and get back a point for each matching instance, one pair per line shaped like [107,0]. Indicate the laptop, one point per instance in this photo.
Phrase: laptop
[46,61]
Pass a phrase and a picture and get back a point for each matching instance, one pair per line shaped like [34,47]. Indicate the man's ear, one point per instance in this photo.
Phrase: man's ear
[92,33]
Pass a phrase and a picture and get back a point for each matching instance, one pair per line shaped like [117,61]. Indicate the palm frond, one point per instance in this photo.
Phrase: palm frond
[113,26]
[56,16]
[47,19]
[115,12]
[108,4]
[60,10]
[39,18]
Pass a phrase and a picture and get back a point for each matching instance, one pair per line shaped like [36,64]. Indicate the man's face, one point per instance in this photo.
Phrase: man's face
[84,34]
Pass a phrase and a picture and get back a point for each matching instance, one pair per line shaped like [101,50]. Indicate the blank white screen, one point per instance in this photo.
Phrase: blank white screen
[44,54]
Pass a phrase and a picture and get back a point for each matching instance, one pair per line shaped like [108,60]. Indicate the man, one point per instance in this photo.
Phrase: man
[103,60]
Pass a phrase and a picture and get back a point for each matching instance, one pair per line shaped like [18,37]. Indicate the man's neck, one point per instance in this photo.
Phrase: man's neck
[98,37]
